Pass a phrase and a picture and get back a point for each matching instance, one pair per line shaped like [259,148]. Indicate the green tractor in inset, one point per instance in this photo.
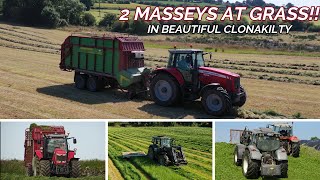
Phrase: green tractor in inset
[164,151]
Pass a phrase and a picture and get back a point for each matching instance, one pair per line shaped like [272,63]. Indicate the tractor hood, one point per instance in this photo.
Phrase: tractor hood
[218,72]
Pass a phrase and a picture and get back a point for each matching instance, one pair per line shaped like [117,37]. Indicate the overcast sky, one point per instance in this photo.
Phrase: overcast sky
[303,130]
[295,2]
[90,138]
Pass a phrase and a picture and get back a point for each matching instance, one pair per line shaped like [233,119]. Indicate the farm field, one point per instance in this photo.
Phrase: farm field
[14,169]
[33,86]
[306,165]
[196,143]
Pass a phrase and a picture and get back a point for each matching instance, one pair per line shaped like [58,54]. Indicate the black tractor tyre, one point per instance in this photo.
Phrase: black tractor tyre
[236,160]
[80,81]
[75,168]
[284,169]
[92,84]
[151,153]
[253,168]
[219,94]
[29,171]
[164,160]
[243,99]
[295,149]
[45,168]
[175,92]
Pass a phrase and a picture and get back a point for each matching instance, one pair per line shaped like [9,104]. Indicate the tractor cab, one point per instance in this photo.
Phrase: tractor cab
[55,146]
[163,141]
[164,151]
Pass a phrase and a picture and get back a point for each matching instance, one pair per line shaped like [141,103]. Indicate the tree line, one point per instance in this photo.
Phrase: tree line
[57,13]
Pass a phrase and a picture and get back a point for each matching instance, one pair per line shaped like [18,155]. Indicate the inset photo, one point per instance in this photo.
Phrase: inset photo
[52,149]
[260,150]
[160,150]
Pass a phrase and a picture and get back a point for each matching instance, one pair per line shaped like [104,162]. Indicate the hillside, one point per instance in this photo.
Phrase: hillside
[305,167]
[14,169]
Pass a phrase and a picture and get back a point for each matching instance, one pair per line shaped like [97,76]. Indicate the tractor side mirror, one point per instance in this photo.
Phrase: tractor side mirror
[74,141]
[38,141]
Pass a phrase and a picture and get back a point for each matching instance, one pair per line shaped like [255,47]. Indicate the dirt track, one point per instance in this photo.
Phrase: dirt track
[33,86]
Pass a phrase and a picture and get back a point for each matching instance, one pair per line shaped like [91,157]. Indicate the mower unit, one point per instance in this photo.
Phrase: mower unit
[260,154]
[164,151]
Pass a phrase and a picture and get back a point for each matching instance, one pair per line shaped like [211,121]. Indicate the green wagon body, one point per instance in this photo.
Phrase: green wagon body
[105,57]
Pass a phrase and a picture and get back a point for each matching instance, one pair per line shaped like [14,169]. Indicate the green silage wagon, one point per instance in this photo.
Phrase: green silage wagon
[105,61]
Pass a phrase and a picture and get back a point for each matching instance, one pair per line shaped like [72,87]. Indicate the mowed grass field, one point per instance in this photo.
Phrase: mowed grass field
[304,167]
[196,143]
[33,86]
[14,169]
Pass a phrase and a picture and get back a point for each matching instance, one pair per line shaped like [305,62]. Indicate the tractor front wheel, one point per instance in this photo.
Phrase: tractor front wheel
[295,149]
[284,169]
[75,168]
[237,161]
[80,81]
[151,153]
[164,160]
[250,167]
[216,101]
[45,168]
[164,90]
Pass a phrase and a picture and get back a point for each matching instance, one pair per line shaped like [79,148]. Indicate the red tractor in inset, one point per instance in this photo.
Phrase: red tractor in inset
[288,141]
[186,78]
[47,152]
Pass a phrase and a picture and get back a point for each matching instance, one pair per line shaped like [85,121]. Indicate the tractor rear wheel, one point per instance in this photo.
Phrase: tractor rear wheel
[250,167]
[164,160]
[151,153]
[284,169]
[216,101]
[237,161]
[295,149]
[75,168]
[45,168]
[164,90]
[243,99]
[80,81]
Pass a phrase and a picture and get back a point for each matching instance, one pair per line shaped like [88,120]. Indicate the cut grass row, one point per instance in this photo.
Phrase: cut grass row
[196,138]
[145,138]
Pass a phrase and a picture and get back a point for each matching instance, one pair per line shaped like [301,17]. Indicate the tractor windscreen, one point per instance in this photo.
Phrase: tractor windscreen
[54,143]
[200,60]
[166,142]
[268,143]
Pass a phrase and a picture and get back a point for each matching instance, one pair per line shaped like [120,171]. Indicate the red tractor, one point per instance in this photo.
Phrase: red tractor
[186,78]
[288,141]
[47,152]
